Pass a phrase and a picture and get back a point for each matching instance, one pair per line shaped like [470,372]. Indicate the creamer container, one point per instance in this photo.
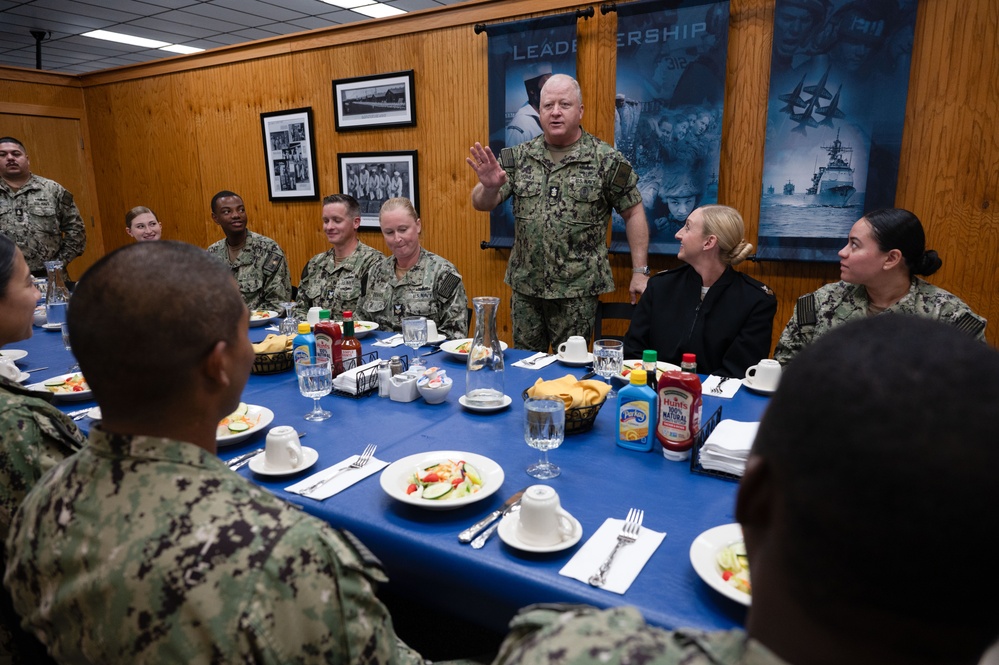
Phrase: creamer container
[650,358]
[636,414]
[328,338]
[303,347]
[350,346]
[679,411]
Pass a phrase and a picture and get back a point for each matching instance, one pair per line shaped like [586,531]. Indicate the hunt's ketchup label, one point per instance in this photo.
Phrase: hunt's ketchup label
[679,411]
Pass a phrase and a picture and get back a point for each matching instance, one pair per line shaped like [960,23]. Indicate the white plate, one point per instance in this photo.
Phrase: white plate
[395,478]
[637,364]
[702,557]
[258,464]
[267,317]
[757,389]
[266,416]
[508,534]
[68,397]
[94,413]
[361,328]
[52,327]
[576,363]
[485,409]
[14,354]
[451,348]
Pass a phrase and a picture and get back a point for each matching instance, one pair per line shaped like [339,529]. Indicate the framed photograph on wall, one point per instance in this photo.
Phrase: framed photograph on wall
[290,155]
[375,177]
[366,102]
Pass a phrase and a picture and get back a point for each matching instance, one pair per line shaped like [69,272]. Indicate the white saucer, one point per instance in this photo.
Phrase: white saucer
[258,464]
[52,326]
[94,413]
[486,409]
[576,363]
[13,354]
[440,339]
[758,390]
[508,534]
[22,377]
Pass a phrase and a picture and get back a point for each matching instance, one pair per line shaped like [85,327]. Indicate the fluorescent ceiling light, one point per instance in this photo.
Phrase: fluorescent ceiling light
[378,10]
[349,4]
[125,39]
[178,48]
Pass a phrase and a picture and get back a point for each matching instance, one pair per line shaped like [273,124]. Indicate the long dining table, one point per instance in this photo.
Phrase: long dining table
[420,549]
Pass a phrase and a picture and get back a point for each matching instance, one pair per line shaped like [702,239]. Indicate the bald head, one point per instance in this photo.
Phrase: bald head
[144,317]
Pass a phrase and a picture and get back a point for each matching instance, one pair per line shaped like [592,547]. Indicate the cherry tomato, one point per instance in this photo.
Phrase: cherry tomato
[412,488]
[726,574]
[431,478]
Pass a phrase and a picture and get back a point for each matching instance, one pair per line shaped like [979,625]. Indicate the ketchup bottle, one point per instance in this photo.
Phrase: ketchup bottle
[328,338]
[679,401]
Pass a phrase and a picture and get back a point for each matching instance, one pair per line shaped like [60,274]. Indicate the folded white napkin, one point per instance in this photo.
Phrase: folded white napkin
[341,482]
[728,446]
[347,382]
[390,342]
[728,389]
[539,360]
[628,562]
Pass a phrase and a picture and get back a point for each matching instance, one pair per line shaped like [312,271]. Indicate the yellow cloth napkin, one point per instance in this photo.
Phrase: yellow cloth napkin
[571,391]
[273,344]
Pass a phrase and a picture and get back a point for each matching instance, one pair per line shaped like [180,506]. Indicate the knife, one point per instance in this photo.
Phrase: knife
[588,375]
[481,539]
[430,353]
[240,460]
[469,533]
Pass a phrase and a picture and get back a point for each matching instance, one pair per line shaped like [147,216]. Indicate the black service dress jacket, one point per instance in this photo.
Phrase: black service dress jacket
[729,331]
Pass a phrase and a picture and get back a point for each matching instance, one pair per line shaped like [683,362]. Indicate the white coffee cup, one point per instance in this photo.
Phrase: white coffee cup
[541,519]
[283,451]
[431,331]
[765,375]
[573,349]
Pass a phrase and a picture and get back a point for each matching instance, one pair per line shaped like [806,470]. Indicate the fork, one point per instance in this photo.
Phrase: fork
[629,534]
[717,390]
[534,360]
[363,459]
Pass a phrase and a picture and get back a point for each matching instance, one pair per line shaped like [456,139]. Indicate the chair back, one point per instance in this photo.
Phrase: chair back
[608,312]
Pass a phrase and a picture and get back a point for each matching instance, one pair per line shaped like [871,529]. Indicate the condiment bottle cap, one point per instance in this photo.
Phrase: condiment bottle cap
[649,356]
[689,358]
[324,315]
[304,328]
[639,376]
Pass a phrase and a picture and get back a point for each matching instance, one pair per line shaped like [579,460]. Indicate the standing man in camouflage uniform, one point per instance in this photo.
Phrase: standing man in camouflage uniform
[845,483]
[145,547]
[38,214]
[564,185]
[413,281]
[332,280]
[256,261]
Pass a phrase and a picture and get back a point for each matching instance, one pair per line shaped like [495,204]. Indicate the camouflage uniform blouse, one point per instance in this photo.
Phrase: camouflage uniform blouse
[542,635]
[41,218]
[432,288]
[835,304]
[334,287]
[562,211]
[260,270]
[146,550]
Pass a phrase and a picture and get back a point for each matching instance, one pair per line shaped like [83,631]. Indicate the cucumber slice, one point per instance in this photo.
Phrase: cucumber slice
[238,426]
[241,409]
[55,383]
[472,474]
[437,490]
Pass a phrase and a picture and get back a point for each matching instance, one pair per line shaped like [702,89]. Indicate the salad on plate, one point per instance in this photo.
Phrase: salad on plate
[445,480]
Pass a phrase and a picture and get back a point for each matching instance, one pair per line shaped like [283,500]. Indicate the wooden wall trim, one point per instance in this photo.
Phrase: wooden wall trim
[40,110]
[21,74]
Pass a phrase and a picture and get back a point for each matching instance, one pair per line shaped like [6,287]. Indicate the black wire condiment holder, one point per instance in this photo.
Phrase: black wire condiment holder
[367,379]
[707,427]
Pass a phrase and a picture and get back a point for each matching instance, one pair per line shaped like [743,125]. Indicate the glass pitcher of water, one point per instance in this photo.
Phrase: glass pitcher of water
[56,294]
[484,371]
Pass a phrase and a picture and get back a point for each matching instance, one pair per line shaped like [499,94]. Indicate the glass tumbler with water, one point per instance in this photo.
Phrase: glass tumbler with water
[544,429]
[484,369]
[56,295]
[315,380]
[608,360]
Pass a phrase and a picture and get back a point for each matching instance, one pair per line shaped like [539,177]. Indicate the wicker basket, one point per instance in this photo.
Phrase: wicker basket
[272,363]
[578,419]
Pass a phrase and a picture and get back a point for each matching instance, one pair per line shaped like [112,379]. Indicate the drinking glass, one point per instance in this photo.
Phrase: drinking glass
[75,367]
[544,429]
[315,380]
[608,360]
[290,324]
[414,334]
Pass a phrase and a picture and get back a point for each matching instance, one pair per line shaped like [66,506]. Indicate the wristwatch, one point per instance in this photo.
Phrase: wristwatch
[644,270]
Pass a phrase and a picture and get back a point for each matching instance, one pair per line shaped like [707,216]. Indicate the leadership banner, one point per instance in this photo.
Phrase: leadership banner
[838,84]
[668,109]
[522,56]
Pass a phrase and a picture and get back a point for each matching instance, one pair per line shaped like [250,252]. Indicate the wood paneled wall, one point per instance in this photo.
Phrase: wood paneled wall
[172,133]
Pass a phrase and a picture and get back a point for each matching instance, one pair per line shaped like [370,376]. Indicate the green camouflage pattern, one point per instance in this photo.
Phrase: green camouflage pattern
[261,271]
[147,550]
[567,635]
[562,212]
[839,302]
[42,219]
[335,287]
[540,323]
[431,288]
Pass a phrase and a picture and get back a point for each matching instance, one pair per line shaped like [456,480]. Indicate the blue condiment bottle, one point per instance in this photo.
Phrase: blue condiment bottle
[303,347]
[636,414]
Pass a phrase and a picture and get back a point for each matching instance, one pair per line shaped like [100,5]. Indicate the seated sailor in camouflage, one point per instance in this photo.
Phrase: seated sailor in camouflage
[564,185]
[878,271]
[845,477]
[38,214]
[332,280]
[413,281]
[34,435]
[256,261]
[145,547]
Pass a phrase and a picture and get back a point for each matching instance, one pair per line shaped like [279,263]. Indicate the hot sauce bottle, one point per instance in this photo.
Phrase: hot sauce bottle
[350,346]
[679,402]
[328,338]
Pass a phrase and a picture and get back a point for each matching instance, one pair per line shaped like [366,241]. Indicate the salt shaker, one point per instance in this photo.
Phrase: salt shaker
[384,378]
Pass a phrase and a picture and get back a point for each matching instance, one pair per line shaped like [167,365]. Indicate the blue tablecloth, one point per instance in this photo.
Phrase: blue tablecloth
[419,548]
